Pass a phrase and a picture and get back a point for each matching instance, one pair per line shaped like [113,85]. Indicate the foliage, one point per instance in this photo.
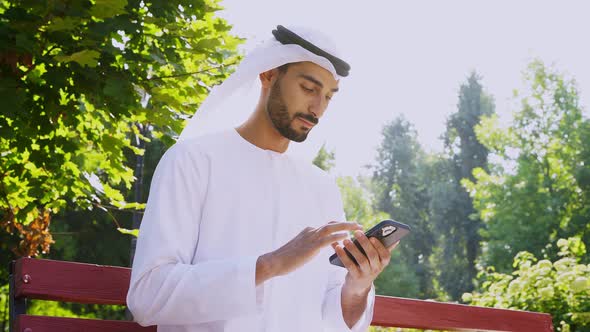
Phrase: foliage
[93,311]
[401,182]
[537,190]
[78,79]
[4,307]
[357,202]
[452,210]
[561,288]
[397,329]
[324,159]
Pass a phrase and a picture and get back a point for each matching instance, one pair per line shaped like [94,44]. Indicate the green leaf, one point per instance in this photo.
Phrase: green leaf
[84,58]
[63,24]
[207,44]
[134,206]
[113,194]
[108,8]
[134,232]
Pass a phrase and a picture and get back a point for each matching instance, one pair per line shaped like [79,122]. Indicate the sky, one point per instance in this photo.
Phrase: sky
[409,58]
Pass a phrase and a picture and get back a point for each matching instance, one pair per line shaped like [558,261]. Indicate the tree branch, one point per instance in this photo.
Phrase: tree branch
[191,73]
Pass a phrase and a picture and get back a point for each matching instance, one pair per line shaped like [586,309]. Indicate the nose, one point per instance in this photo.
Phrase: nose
[317,106]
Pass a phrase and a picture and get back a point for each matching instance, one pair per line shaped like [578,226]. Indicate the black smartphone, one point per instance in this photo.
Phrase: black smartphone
[387,231]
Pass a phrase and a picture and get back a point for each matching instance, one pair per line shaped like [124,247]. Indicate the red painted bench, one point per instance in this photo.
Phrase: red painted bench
[87,283]
[69,282]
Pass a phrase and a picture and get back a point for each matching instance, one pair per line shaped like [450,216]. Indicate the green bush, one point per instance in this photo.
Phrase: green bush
[560,288]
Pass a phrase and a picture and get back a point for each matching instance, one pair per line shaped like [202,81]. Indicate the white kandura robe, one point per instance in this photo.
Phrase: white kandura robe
[216,204]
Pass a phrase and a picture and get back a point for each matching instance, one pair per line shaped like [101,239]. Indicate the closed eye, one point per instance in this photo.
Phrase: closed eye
[306,89]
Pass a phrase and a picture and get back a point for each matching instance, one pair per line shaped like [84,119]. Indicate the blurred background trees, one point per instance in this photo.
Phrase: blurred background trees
[497,199]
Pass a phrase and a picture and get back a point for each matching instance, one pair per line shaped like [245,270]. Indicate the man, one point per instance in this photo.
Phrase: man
[236,234]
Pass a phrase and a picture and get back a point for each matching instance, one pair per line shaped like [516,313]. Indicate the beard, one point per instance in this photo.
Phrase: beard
[281,119]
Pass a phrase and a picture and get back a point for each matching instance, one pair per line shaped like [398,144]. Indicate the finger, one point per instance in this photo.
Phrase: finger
[384,254]
[346,261]
[339,227]
[333,238]
[335,226]
[337,222]
[370,251]
[393,246]
[358,255]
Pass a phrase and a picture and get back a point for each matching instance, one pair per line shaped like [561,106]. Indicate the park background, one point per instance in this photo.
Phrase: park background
[466,120]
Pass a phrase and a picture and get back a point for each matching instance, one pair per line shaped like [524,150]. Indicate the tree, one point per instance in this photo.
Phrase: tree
[80,82]
[452,209]
[401,186]
[324,159]
[537,193]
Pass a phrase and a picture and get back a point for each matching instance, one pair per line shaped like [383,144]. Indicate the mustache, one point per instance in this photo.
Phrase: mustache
[308,117]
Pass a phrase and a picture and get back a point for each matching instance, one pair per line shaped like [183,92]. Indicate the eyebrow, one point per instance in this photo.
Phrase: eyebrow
[315,81]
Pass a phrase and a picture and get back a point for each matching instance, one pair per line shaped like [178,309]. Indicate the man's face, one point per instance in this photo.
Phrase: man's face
[298,99]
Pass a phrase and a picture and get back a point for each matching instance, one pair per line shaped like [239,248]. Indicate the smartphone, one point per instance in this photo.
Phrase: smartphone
[387,231]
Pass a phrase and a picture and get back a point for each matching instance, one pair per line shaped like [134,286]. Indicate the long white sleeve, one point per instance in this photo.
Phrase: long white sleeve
[332,307]
[165,288]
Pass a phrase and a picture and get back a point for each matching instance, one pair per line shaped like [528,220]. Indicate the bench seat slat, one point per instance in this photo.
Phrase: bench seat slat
[62,324]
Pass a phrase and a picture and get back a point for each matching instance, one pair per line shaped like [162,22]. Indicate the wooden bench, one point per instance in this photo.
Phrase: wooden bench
[69,282]
[87,283]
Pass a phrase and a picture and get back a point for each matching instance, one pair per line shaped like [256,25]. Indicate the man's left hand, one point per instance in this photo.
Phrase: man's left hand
[360,277]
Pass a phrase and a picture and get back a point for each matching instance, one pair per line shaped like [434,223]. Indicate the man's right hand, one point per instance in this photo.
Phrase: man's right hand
[301,249]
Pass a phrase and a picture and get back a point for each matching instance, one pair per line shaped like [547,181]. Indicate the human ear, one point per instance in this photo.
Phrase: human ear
[267,78]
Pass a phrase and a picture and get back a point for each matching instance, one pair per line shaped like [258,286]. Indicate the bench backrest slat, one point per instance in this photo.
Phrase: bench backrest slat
[401,312]
[71,282]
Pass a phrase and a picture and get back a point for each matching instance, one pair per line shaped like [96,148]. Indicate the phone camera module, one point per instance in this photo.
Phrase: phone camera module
[387,230]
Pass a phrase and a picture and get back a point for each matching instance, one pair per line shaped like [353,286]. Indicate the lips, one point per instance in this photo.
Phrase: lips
[307,123]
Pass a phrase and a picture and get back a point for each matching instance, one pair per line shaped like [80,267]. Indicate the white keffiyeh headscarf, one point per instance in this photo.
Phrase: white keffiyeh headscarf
[229,104]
